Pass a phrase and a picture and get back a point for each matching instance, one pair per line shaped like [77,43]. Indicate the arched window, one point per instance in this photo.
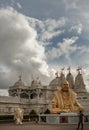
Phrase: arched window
[24,95]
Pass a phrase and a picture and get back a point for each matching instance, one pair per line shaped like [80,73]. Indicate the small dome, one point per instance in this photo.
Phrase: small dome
[36,84]
[20,83]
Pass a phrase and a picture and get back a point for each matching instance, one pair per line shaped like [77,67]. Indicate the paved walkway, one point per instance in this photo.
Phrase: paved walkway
[28,126]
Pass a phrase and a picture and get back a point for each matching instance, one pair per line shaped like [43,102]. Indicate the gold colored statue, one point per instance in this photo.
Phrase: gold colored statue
[18,115]
[64,100]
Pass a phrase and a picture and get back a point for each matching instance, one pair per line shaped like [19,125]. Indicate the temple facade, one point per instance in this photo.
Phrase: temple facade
[38,97]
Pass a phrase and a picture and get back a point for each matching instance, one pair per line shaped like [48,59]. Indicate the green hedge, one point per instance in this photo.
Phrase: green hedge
[11,117]
[6,117]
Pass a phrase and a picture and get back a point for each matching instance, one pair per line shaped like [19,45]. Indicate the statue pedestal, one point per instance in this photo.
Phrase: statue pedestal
[63,118]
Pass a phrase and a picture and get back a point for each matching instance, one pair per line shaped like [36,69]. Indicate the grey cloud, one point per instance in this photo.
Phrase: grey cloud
[18,46]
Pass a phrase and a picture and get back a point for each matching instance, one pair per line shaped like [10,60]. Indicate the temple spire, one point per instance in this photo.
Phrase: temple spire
[70,78]
[79,82]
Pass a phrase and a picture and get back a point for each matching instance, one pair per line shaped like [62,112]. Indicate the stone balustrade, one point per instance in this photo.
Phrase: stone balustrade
[63,118]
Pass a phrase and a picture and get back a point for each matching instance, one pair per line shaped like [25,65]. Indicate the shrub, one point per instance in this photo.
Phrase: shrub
[33,114]
[47,111]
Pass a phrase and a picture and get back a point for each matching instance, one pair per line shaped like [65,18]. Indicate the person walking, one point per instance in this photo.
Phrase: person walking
[80,122]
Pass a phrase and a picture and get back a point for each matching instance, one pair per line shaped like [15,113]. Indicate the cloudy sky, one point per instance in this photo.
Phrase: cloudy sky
[39,37]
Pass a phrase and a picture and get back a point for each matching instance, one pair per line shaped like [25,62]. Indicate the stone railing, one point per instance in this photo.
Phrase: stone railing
[63,118]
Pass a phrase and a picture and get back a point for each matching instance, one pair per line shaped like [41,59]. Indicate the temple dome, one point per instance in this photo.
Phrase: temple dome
[55,83]
[20,83]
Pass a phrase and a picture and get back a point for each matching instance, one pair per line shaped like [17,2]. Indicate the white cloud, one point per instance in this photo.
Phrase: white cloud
[47,29]
[84,49]
[66,45]
[51,27]
[76,28]
[48,35]
[19,5]
[20,51]
[63,48]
